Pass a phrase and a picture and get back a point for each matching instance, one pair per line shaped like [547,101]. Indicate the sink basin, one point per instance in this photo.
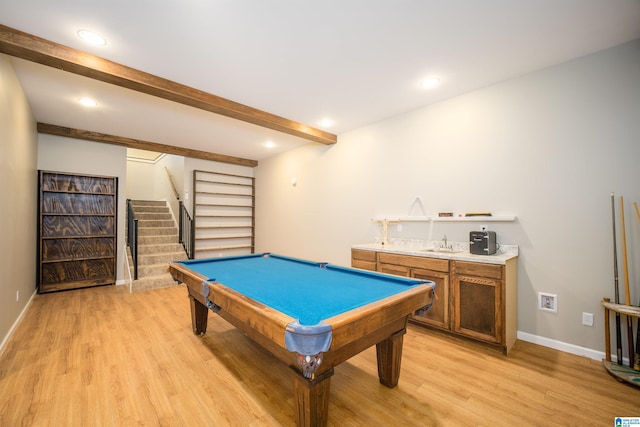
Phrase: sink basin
[444,250]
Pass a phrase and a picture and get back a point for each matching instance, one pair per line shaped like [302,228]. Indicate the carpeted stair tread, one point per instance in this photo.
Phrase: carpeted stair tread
[157,245]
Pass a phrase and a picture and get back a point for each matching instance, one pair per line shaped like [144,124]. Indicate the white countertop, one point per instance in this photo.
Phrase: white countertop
[502,255]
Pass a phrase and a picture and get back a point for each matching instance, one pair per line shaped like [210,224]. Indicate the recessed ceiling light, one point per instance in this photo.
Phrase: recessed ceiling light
[326,122]
[429,82]
[269,144]
[87,102]
[92,38]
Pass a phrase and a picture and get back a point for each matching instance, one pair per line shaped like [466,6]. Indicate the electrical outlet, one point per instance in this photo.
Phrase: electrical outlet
[399,226]
[547,302]
[484,227]
[587,319]
[17,296]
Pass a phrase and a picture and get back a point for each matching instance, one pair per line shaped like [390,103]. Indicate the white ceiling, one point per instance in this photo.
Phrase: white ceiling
[355,61]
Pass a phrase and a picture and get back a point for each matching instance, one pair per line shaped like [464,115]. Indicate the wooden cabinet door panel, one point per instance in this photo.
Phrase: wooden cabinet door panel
[438,314]
[477,302]
[53,181]
[78,204]
[95,271]
[73,249]
[77,226]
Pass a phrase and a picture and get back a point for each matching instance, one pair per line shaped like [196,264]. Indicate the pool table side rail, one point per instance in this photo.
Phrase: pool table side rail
[368,318]
[261,318]
[400,280]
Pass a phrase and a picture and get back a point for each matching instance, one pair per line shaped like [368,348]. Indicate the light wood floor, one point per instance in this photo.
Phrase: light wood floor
[104,357]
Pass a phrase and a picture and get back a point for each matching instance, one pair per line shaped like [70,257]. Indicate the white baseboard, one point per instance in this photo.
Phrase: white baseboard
[562,346]
[16,323]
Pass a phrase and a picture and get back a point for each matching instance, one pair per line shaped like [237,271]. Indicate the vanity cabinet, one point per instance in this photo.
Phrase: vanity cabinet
[473,299]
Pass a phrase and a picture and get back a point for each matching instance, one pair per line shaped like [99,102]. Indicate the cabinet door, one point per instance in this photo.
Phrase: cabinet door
[77,229]
[438,314]
[476,304]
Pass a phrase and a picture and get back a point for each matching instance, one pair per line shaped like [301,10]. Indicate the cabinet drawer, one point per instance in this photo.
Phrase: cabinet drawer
[414,261]
[363,255]
[491,271]
[398,270]
[365,265]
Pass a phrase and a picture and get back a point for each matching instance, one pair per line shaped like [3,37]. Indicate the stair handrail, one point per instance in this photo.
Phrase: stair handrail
[132,237]
[186,230]
[173,185]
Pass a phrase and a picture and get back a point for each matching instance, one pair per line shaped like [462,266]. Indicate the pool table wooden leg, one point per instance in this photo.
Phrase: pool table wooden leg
[199,316]
[389,354]
[311,399]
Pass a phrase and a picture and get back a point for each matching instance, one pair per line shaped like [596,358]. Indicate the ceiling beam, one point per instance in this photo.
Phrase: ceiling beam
[31,48]
[142,145]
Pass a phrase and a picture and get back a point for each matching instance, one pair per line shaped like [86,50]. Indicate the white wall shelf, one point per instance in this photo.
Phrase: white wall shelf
[493,218]
[402,219]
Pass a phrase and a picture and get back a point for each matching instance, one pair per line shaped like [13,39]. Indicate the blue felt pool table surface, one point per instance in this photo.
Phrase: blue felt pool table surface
[307,291]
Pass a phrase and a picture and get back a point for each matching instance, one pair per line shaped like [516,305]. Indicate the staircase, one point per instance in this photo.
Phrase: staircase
[157,245]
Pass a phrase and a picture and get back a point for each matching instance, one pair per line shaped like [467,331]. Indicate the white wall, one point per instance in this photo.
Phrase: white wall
[140,185]
[62,154]
[18,193]
[149,180]
[163,189]
[548,147]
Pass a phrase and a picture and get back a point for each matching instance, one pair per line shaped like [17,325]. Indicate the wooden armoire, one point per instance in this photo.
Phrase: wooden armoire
[77,218]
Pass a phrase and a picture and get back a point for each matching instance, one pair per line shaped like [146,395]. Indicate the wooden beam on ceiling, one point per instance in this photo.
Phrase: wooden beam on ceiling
[142,145]
[31,48]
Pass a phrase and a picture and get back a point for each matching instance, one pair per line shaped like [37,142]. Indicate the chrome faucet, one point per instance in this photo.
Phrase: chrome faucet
[444,241]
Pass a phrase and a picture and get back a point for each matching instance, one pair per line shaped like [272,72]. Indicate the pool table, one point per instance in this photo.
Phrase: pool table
[313,316]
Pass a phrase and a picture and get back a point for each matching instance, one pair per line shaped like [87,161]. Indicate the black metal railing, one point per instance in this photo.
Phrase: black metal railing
[186,230]
[132,238]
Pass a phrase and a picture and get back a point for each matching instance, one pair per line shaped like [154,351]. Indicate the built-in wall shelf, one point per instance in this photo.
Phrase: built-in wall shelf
[224,214]
[493,218]
[401,219]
